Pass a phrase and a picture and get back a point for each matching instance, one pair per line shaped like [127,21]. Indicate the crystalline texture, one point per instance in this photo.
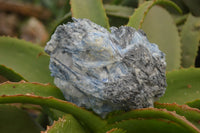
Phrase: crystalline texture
[106,71]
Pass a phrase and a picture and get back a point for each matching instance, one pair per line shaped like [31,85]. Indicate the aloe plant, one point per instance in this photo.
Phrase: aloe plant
[25,66]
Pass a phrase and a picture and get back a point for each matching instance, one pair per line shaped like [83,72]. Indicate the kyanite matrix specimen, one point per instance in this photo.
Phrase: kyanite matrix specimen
[106,71]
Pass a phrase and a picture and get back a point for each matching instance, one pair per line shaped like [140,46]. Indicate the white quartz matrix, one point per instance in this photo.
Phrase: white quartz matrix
[106,70]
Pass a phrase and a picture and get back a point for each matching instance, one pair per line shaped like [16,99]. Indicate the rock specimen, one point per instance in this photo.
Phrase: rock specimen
[106,71]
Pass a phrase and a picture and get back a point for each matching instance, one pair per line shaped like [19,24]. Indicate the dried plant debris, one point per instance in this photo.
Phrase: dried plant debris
[34,31]
[8,24]
[106,71]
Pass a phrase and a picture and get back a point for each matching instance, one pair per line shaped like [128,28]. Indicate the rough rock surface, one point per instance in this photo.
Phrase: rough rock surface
[106,71]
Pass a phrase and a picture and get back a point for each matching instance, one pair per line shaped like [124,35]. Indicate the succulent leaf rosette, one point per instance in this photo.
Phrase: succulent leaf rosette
[106,70]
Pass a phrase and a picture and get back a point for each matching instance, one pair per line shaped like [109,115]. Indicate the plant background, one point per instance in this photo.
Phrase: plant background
[33,21]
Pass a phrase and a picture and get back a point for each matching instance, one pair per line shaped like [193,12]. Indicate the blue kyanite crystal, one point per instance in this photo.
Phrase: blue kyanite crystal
[106,71]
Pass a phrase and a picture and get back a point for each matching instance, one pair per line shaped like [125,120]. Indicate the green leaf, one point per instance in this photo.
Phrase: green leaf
[151,125]
[93,122]
[116,130]
[65,124]
[154,113]
[180,19]
[119,11]
[180,4]
[90,9]
[118,15]
[25,58]
[161,29]
[27,88]
[10,74]
[14,120]
[194,104]
[53,114]
[190,36]
[191,114]
[138,16]
[137,19]
[183,86]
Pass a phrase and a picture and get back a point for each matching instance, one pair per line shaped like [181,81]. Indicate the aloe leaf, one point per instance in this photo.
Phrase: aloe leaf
[161,29]
[180,4]
[65,124]
[190,36]
[27,88]
[137,19]
[155,114]
[25,58]
[93,122]
[116,130]
[118,15]
[183,86]
[191,114]
[90,9]
[14,120]
[194,104]
[118,11]
[152,125]
[10,74]
[180,19]
[53,114]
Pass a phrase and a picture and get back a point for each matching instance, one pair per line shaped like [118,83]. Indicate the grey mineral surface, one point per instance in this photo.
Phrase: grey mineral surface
[106,71]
